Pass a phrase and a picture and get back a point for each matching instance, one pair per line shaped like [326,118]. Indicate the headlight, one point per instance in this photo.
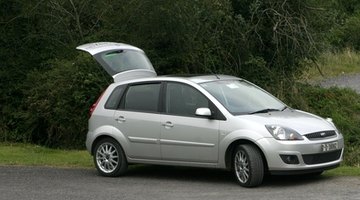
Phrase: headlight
[330,121]
[283,133]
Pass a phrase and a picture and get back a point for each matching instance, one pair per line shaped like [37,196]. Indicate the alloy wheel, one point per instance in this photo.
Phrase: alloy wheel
[107,157]
[242,167]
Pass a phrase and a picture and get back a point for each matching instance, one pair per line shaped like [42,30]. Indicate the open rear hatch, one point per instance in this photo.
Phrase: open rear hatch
[121,61]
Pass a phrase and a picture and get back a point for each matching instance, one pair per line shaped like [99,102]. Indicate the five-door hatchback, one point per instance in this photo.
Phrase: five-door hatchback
[213,121]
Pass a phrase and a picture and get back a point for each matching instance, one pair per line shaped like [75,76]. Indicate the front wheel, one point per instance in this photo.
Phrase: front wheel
[109,158]
[248,165]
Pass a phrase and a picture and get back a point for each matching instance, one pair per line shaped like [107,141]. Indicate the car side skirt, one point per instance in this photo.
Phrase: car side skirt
[172,163]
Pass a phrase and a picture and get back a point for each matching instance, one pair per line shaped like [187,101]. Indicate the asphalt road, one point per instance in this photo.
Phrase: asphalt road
[348,80]
[156,182]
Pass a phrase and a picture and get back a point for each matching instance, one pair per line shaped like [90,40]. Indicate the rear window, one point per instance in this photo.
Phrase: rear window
[124,60]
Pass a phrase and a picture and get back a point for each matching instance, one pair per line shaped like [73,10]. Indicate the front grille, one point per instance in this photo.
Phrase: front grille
[320,135]
[311,159]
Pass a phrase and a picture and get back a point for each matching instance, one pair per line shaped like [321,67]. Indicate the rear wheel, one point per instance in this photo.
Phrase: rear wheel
[248,165]
[109,158]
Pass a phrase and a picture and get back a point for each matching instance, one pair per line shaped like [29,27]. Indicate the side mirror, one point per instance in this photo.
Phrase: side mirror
[205,112]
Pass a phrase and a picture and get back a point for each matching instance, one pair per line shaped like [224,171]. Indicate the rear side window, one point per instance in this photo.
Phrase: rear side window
[144,97]
[114,99]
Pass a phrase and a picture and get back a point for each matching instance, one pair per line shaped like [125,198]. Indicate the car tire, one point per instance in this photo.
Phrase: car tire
[248,165]
[109,158]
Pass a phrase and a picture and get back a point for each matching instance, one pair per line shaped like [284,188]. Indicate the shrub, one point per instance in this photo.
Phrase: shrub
[57,100]
[347,34]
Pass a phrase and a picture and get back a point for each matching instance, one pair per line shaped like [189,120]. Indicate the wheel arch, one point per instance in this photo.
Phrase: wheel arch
[230,151]
[101,137]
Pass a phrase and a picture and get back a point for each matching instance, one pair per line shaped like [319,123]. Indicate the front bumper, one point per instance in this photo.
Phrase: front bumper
[308,153]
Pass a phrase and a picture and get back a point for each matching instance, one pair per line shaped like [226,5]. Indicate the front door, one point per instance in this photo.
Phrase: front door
[185,136]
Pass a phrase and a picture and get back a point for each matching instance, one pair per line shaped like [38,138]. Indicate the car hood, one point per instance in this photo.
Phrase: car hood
[300,121]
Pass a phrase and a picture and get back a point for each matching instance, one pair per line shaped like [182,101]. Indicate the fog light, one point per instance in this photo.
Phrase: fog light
[290,159]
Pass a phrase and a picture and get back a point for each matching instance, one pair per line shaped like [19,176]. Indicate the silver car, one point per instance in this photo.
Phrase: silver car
[213,121]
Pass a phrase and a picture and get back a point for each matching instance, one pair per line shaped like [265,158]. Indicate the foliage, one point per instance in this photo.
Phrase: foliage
[47,86]
[343,32]
[278,31]
[347,35]
[58,98]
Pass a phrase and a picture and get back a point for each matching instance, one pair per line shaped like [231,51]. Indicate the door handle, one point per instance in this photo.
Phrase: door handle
[168,124]
[120,119]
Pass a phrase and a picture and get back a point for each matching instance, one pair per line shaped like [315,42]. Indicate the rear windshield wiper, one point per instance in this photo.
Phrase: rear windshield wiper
[264,111]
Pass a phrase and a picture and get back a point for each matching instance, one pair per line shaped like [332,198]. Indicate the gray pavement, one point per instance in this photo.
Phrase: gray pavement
[162,182]
[348,80]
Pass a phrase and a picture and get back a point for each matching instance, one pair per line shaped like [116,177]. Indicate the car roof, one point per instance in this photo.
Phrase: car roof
[195,78]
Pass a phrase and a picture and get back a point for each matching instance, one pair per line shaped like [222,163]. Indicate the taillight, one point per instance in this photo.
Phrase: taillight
[92,108]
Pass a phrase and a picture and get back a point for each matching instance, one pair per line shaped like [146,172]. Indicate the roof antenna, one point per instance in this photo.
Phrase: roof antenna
[214,74]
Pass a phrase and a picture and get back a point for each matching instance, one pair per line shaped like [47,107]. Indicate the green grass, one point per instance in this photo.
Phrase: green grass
[343,171]
[33,155]
[334,64]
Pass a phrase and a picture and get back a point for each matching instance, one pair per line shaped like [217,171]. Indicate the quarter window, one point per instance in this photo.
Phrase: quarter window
[114,99]
[143,97]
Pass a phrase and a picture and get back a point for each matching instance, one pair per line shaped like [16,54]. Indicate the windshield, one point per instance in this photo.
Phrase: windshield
[123,60]
[240,97]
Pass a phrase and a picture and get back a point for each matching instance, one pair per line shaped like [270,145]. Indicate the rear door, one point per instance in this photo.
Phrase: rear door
[138,118]
[121,61]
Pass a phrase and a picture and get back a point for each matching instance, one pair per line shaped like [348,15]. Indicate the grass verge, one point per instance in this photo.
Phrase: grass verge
[33,155]
[333,64]
[343,171]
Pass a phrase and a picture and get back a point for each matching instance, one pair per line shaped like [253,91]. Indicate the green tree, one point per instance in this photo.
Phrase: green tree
[46,83]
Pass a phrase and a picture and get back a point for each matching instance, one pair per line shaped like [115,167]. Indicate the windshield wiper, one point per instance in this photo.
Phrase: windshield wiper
[265,110]
[285,107]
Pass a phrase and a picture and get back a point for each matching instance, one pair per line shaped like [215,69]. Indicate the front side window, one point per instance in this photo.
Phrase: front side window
[241,97]
[144,98]
[183,100]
